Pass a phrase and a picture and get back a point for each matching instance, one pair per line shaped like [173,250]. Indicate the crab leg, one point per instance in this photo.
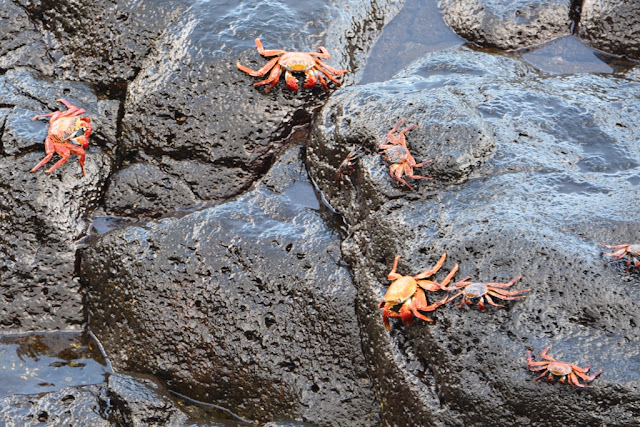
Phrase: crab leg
[406,313]
[537,366]
[262,71]
[504,285]
[322,81]
[329,76]
[271,52]
[541,376]
[625,245]
[324,54]
[65,151]
[447,279]
[407,129]
[616,255]
[408,171]
[395,128]
[273,78]
[507,293]
[588,377]
[49,150]
[504,297]
[573,380]
[53,115]
[428,285]
[434,269]
[490,300]
[426,162]
[330,69]
[392,274]
[396,174]
[545,356]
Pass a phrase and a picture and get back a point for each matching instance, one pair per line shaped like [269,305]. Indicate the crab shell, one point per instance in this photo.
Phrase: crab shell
[65,129]
[396,154]
[634,250]
[559,369]
[475,290]
[401,290]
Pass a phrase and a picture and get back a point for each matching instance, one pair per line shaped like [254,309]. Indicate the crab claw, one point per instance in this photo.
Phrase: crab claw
[311,79]
[292,83]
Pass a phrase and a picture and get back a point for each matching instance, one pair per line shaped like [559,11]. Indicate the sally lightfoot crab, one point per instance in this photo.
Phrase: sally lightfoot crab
[484,292]
[632,252]
[68,133]
[396,153]
[408,293]
[564,370]
[308,63]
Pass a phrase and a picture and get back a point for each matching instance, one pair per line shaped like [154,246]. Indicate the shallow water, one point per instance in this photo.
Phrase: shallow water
[45,362]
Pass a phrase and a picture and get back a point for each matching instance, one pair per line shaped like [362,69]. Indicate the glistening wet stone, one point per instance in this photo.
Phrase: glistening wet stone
[544,172]
[246,305]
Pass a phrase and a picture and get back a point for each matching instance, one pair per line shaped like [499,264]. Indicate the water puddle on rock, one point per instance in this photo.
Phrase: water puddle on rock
[46,362]
[568,55]
[416,30]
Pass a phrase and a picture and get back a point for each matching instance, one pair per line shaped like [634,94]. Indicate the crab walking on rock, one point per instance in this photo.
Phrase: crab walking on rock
[400,160]
[408,293]
[564,370]
[67,134]
[308,63]
[484,292]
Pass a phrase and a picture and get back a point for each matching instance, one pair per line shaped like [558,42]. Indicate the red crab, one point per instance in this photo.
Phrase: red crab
[408,292]
[628,250]
[294,62]
[64,137]
[484,291]
[563,370]
[397,154]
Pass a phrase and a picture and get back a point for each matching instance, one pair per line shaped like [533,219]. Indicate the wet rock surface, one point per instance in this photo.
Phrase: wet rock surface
[191,109]
[245,305]
[123,400]
[247,291]
[42,215]
[546,188]
[505,24]
[611,26]
[110,53]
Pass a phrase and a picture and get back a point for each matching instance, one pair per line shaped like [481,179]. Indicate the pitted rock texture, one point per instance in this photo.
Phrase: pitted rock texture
[506,24]
[99,41]
[245,305]
[554,184]
[43,215]
[611,26]
[190,108]
[122,400]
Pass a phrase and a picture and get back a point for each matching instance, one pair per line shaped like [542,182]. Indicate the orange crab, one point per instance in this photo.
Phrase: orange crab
[294,62]
[408,292]
[628,250]
[67,134]
[563,370]
[400,160]
[484,292]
